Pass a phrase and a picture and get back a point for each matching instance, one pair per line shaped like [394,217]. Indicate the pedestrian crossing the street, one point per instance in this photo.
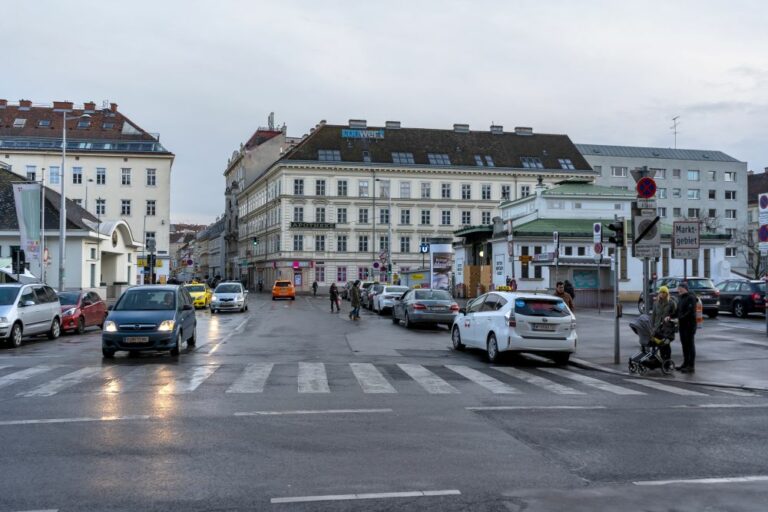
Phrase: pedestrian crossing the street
[320,378]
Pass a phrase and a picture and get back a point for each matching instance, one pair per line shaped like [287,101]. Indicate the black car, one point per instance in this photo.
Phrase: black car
[702,287]
[742,296]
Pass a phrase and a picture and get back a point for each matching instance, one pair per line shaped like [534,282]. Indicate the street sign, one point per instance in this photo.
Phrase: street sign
[646,188]
[526,258]
[598,248]
[763,221]
[685,240]
[424,248]
[646,234]
[597,233]
[510,248]
[645,203]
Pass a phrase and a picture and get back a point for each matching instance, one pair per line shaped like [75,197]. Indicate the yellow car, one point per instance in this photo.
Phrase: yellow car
[283,289]
[201,294]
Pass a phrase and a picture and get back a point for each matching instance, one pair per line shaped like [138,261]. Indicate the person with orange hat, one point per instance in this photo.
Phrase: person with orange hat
[664,308]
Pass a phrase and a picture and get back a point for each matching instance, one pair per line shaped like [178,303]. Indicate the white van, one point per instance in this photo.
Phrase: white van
[28,309]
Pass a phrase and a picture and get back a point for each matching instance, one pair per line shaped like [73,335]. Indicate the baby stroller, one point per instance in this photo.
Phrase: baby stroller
[651,356]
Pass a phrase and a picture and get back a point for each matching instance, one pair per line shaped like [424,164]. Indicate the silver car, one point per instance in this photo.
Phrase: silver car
[229,297]
[425,307]
[385,299]
[28,309]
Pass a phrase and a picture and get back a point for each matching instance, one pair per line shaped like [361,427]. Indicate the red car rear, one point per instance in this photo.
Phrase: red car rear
[80,310]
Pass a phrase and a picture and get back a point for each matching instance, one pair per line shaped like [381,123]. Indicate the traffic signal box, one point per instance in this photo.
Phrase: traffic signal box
[619,235]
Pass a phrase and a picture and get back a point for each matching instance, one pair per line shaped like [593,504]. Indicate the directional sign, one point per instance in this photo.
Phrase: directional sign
[646,188]
[597,232]
[685,240]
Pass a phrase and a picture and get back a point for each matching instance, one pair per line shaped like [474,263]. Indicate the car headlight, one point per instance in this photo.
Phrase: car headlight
[110,326]
[3,320]
[240,298]
[69,312]
[213,297]
[166,325]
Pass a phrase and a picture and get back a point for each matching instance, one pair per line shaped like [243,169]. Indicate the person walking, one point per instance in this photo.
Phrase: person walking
[560,292]
[334,293]
[686,317]
[664,308]
[354,299]
[314,289]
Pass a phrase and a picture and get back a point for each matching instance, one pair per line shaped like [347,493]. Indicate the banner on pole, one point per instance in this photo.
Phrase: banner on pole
[27,199]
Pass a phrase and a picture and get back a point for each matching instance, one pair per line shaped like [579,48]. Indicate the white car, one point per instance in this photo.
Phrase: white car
[229,296]
[385,300]
[517,322]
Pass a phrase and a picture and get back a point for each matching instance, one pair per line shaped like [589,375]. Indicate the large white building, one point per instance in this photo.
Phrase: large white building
[114,168]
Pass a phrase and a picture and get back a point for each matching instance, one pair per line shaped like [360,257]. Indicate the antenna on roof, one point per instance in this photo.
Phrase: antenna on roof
[271,121]
[675,122]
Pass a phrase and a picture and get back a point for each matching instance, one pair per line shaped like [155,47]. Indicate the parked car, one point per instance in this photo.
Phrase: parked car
[385,300]
[80,310]
[424,307]
[150,317]
[283,289]
[742,296]
[364,287]
[28,309]
[229,296]
[702,287]
[201,294]
[500,322]
[344,290]
[367,298]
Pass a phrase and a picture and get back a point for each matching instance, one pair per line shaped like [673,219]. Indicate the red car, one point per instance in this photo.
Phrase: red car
[80,310]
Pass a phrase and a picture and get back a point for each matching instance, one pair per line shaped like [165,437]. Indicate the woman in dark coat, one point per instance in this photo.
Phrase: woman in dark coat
[334,293]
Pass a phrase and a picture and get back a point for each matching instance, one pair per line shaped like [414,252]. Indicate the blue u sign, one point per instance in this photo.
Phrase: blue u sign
[424,248]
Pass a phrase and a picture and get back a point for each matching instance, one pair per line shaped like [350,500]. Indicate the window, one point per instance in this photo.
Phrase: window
[320,187]
[676,193]
[77,175]
[577,206]
[125,176]
[341,243]
[485,217]
[320,214]
[729,176]
[693,175]
[384,243]
[568,250]
[298,214]
[662,211]
[31,172]
[731,232]
[489,161]
[531,162]
[485,192]
[730,252]
[730,214]
[694,193]
[537,268]
[466,191]
[479,160]
[54,176]
[445,218]
[677,212]
[565,163]
[151,207]
[320,243]
[362,273]
[19,122]
[362,243]
[405,216]
[107,126]
[151,177]
[93,253]
[405,244]
[402,158]
[384,216]
[383,188]
[557,205]
[525,190]
[298,187]
[438,159]
[466,218]
[83,124]
[581,251]
[341,188]
[426,217]
[44,123]
[661,174]
[341,274]
[598,169]
[101,176]
[149,235]
[362,216]
[619,172]
[445,190]
[341,215]
[505,189]
[363,188]
[101,207]
[693,213]
[366,156]
[730,195]
[298,242]
[676,173]
[405,189]
[125,207]
[426,190]
[320,274]
[712,213]
[712,194]
[662,193]
[329,155]
[712,175]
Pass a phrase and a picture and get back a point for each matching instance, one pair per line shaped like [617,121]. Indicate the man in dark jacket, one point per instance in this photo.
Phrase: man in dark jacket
[686,316]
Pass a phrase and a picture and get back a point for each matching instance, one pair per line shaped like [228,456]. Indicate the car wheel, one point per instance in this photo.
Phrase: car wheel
[176,350]
[394,318]
[213,311]
[15,337]
[55,329]
[246,307]
[193,340]
[407,321]
[492,349]
[108,353]
[101,325]
[561,358]
[738,309]
[456,339]
[293,298]
[80,325]
[641,306]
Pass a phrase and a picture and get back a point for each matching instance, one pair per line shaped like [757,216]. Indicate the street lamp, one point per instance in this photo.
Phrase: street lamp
[389,229]
[63,202]
[89,180]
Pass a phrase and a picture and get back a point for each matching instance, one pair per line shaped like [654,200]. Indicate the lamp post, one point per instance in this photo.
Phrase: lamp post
[389,229]
[90,180]
[373,242]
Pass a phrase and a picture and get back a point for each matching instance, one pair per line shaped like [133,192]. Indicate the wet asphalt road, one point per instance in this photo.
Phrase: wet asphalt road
[288,407]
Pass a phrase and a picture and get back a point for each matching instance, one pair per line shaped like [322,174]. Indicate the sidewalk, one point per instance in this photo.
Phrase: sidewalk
[729,352]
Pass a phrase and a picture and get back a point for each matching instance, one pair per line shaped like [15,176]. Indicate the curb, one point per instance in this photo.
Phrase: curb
[587,365]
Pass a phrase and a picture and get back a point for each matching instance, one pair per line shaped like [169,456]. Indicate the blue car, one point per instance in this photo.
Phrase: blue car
[150,318]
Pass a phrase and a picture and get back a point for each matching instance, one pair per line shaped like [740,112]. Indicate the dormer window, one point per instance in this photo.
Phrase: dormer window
[402,158]
[565,163]
[19,122]
[329,155]
[438,159]
[44,123]
[531,162]
[488,161]
[107,126]
[83,124]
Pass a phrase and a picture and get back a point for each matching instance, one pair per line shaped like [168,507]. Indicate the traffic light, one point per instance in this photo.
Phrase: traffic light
[619,236]
[18,261]
[255,242]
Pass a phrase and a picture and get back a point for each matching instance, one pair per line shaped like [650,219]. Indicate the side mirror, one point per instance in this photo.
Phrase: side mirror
[187,307]
[28,303]
[463,311]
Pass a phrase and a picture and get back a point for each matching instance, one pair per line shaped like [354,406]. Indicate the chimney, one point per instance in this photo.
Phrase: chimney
[751,172]
[25,104]
[497,129]
[113,107]
[392,125]
[62,105]
[523,130]
[360,124]
[89,106]
[3,103]
[461,128]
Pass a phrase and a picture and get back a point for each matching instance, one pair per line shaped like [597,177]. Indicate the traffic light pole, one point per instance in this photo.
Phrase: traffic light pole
[617,272]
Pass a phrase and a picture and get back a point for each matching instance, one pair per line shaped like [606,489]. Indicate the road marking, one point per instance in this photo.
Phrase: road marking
[46,510]
[663,387]
[72,420]
[537,408]
[12,378]
[63,382]
[129,381]
[253,378]
[326,411]
[312,378]
[721,406]
[198,375]
[730,480]
[489,383]
[530,378]
[428,380]
[735,392]
[369,496]
[370,379]
[595,383]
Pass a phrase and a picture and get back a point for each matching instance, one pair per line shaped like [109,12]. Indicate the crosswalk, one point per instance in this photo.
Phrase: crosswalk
[315,378]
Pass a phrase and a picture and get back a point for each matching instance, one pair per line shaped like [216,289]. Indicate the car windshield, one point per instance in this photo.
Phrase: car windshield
[146,300]
[396,289]
[228,288]
[541,307]
[282,284]
[68,297]
[8,295]
[698,284]
[432,295]
[196,288]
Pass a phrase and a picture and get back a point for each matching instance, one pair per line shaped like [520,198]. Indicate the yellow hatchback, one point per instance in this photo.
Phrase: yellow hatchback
[283,289]
[201,294]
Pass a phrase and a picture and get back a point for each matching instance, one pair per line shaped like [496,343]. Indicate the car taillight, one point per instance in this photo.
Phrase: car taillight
[511,321]
[419,306]
[454,307]
[756,297]
[717,293]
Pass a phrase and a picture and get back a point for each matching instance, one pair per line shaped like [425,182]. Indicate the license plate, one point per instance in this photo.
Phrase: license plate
[704,297]
[438,308]
[136,339]
[544,327]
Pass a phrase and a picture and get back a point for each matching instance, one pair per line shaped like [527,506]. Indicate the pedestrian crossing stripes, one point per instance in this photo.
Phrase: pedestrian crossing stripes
[313,378]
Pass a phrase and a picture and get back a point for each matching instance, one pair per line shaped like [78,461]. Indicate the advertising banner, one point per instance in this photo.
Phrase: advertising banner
[27,199]
[441,263]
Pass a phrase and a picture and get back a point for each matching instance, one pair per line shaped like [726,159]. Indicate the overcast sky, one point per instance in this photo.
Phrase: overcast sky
[205,75]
